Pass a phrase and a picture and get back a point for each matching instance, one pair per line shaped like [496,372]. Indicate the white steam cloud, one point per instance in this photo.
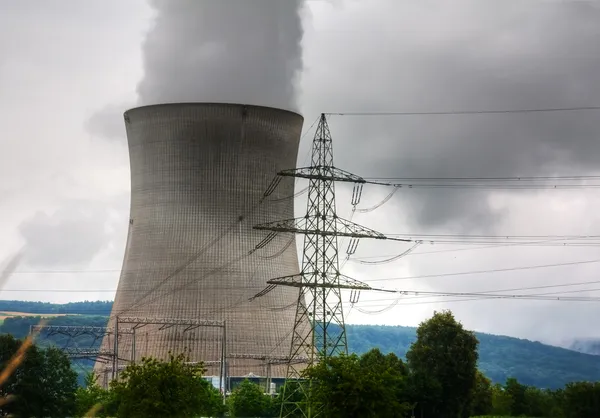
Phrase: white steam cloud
[239,51]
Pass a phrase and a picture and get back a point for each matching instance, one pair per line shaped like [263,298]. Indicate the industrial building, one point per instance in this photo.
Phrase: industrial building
[199,172]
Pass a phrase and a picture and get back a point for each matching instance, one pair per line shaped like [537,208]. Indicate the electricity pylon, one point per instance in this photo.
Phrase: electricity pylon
[319,331]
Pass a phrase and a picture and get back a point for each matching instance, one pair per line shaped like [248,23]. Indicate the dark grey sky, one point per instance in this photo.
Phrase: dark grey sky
[74,71]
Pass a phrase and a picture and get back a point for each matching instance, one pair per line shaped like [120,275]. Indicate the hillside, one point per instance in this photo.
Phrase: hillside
[590,346]
[500,357]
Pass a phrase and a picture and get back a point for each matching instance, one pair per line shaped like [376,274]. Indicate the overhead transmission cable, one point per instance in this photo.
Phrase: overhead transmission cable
[469,112]
[463,273]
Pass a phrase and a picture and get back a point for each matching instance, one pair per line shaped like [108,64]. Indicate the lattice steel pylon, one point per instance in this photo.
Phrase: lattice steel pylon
[319,331]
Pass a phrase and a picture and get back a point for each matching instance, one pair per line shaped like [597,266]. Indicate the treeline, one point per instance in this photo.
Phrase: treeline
[500,357]
[577,399]
[439,379]
[80,308]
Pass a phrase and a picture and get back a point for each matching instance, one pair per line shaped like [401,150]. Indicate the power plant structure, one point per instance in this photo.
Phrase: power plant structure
[201,179]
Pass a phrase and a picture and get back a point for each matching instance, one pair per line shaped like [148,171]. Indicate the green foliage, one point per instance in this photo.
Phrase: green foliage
[92,397]
[576,400]
[173,388]
[517,393]
[43,384]
[582,400]
[373,385]
[248,400]
[502,402]
[292,393]
[443,365]
[482,395]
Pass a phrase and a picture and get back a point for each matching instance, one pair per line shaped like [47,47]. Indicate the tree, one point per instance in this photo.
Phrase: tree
[582,400]
[539,403]
[369,386]
[443,366]
[91,397]
[501,401]
[43,383]
[481,396]
[517,394]
[248,400]
[172,388]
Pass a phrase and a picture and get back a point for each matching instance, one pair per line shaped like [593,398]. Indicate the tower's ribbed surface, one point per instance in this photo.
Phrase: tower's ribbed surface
[198,173]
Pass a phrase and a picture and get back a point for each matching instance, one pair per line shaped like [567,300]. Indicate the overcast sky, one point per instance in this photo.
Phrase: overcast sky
[68,70]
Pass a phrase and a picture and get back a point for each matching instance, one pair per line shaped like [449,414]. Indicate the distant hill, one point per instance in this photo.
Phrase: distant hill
[85,308]
[500,357]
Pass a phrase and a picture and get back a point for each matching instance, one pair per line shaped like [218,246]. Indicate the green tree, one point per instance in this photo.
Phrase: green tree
[293,394]
[42,385]
[582,400]
[517,393]
[369,386]
[481,396]
[539,403]
[248,400]
[443,365]
[501,401]
[165,389]
[92,397]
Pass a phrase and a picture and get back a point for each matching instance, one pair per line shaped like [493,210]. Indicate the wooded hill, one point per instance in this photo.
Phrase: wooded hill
[500,357]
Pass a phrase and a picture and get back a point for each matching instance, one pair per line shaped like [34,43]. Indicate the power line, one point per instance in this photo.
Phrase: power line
[261,286]
[486,186]
[517,289]
[510,179]
[496,236]
[468,112]
[426,276]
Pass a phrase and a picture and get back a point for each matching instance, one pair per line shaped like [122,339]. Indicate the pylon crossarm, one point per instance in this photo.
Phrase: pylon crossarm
[305,225]
[322,173]
[330,281]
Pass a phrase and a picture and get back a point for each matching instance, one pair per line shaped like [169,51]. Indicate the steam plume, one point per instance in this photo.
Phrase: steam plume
[243,51]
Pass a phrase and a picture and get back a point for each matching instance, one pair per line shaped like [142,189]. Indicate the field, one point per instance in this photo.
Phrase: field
[5,314]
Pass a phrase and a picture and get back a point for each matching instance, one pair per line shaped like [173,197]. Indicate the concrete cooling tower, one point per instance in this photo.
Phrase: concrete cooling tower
[198,175]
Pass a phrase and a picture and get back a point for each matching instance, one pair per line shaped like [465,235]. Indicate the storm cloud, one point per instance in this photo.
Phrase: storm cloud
[464,55]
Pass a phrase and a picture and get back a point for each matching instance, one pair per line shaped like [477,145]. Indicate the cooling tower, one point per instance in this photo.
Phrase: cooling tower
[198,175]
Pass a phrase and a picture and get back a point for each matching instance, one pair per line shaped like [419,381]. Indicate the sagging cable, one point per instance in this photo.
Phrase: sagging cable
[263,292]
[301,192]
[274,183]
[387,308]
[383,202]
[389,260]
[266,240]
[280,252]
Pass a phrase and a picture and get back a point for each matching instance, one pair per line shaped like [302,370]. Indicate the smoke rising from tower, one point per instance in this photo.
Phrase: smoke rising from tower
[223,51]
